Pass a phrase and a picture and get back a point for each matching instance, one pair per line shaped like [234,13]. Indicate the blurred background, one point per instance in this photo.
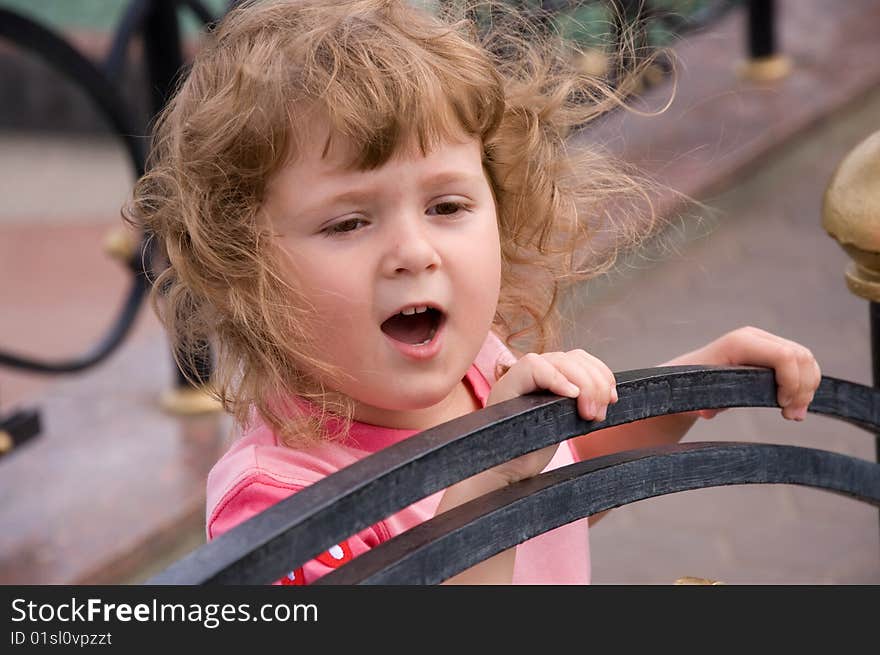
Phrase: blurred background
[107,450]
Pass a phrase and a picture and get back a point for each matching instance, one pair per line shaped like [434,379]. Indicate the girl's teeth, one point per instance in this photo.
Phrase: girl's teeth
[428,340]
[409,311]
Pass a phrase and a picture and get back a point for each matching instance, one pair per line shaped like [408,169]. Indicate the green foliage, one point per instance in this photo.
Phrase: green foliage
[590,24]
[593,24]
[98,15]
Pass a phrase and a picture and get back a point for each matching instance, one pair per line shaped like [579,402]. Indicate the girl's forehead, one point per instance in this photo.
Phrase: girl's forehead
[313,176]
[318,142]
[361,138]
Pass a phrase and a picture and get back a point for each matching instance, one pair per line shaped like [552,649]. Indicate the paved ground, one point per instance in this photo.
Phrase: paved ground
[757,255]
[760,257]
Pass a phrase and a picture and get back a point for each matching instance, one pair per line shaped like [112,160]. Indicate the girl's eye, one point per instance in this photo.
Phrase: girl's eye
[446,208]
[348,225]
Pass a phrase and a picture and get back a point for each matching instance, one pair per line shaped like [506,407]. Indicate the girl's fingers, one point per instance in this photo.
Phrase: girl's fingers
[544,375]
[578,374]
[603,390]
[796,389]
[592,377]
[598,367]
[796,370]
[589,404]
[811,375]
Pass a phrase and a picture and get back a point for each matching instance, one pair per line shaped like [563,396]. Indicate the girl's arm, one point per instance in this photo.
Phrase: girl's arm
[797,377]
[575,374]
[578,374]
[499,568]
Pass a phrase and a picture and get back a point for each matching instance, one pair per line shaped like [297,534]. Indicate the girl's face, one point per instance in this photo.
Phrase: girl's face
[371,250]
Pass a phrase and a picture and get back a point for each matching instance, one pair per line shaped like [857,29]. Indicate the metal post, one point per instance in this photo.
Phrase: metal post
[765,63]
[17,428]
[851,215]
[163,51]
[762,28]
[875,355]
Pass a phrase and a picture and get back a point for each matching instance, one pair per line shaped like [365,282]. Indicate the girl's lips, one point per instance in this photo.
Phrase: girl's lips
[421,352]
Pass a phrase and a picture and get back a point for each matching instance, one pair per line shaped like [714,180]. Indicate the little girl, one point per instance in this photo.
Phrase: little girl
[364,207]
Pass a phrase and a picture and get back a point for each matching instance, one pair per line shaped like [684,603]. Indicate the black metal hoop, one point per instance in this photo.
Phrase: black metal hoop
[62,57]
[298,528]
[97,85]
[439,548]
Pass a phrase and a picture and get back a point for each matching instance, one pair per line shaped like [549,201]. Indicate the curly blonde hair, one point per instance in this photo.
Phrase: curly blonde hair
[384,73]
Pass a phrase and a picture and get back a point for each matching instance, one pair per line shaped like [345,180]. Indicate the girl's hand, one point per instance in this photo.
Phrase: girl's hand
[575,374]
[797,372]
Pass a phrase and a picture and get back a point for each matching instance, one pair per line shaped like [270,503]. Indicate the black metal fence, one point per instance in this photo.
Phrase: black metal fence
[298,528]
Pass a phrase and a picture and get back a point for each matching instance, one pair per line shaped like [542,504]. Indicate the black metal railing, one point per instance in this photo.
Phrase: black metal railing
[874,314]
[157,22]
[762,36]
[67,60]
[298,528]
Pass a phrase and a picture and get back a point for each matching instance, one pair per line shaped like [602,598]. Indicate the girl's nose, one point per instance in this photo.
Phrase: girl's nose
[410,249]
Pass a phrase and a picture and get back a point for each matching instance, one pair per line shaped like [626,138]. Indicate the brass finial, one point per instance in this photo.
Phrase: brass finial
[7,443]
[691,580]
[851,214]
[120,244]
[765,69]
[188,401]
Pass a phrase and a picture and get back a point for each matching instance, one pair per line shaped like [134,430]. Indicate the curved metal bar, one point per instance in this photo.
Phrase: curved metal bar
[131,22]
[28,34]
[58,53]
[296,529]
[111,340]
[443,546]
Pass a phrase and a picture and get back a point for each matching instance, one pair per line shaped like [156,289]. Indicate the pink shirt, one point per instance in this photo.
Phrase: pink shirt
[257,472]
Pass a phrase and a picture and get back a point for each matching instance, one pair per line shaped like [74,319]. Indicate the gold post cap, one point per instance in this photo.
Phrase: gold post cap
[765,69]
[120,244]
[6,442]
[187,401]
[851,215]
[687,580]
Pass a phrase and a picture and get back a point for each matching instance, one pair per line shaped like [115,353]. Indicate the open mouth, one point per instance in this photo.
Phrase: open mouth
[416,328]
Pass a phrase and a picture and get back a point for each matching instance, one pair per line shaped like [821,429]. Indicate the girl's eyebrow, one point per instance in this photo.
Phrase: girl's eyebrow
[449,177]
[354,196]
[430,180]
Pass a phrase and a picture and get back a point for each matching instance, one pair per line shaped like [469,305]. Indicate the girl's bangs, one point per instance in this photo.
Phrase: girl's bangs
[417,111]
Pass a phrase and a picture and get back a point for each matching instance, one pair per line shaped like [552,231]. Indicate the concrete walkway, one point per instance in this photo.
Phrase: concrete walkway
[758,257]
